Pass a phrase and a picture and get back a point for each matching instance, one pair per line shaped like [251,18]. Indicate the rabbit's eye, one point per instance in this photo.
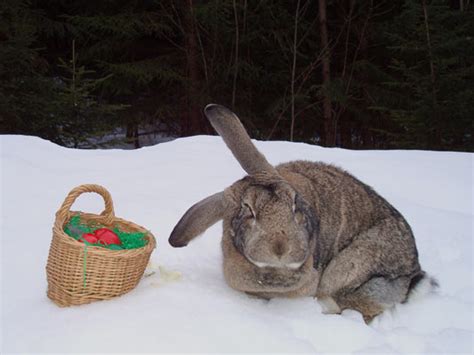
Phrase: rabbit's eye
[248,210]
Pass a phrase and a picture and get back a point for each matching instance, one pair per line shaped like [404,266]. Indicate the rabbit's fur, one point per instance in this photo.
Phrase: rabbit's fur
[305,229]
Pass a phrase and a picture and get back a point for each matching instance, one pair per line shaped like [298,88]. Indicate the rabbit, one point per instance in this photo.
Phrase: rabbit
[305,229]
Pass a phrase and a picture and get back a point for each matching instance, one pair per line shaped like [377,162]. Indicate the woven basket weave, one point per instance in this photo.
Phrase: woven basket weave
[78,274]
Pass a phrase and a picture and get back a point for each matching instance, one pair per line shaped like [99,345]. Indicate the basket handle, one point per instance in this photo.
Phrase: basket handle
[108,212]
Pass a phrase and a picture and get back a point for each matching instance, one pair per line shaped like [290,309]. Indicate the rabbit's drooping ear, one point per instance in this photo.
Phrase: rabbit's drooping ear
[229,127]
[197,219]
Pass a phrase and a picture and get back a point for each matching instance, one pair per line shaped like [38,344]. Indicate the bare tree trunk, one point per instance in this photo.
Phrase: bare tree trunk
[430,51]
[244,25]
[192,124]
[132,134]
[341,118]
[329,124]
[203,55]
[346,131]
[236,61]
[293,71]
[348,32]
[366,137]
[437,132]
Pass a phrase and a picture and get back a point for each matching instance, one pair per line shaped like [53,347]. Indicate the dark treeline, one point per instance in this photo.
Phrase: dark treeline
[356,74]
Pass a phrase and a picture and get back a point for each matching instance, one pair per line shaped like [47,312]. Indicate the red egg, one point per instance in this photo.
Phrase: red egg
[91,238]
[106,236]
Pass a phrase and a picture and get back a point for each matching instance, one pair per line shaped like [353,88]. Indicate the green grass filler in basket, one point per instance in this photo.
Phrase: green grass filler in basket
[98,235]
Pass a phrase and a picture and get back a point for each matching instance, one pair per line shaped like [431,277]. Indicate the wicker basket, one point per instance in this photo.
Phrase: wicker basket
[78,274]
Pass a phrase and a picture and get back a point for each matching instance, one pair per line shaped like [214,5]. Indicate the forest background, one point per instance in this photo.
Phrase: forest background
[355,74]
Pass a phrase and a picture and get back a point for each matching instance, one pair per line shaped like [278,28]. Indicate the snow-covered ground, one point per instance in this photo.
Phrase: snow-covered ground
[154,186]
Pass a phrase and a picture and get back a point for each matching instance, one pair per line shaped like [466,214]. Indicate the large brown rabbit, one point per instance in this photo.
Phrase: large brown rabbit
[305,229]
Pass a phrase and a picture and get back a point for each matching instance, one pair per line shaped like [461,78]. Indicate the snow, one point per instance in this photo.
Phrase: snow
[154,186]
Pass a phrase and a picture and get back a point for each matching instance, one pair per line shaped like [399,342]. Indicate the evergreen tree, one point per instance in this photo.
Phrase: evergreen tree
[432,74]
[83,116]
[36,99]
[25,90]
[133,42]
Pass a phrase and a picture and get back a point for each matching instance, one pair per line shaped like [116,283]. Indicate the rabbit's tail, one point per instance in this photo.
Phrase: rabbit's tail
[421,285]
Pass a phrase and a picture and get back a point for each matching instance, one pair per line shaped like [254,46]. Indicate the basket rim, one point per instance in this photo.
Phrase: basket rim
[58,232]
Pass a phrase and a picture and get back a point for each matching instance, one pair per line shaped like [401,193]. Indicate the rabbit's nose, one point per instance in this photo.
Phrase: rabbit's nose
[280,248]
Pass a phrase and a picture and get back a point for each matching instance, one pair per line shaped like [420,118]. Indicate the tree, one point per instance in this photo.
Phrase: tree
[195,122]
[83,115]
[329,123]
[25,89]
[431,74]
[135,43]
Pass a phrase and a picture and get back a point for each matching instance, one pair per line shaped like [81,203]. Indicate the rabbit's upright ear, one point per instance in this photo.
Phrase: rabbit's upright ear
[229,127]
[197,219]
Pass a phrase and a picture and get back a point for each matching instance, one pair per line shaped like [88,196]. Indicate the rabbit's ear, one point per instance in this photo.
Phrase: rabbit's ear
[197,219]
[229,127]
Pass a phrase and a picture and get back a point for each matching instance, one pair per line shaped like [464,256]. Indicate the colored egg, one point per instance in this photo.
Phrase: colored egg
[106,237]
[91,238]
